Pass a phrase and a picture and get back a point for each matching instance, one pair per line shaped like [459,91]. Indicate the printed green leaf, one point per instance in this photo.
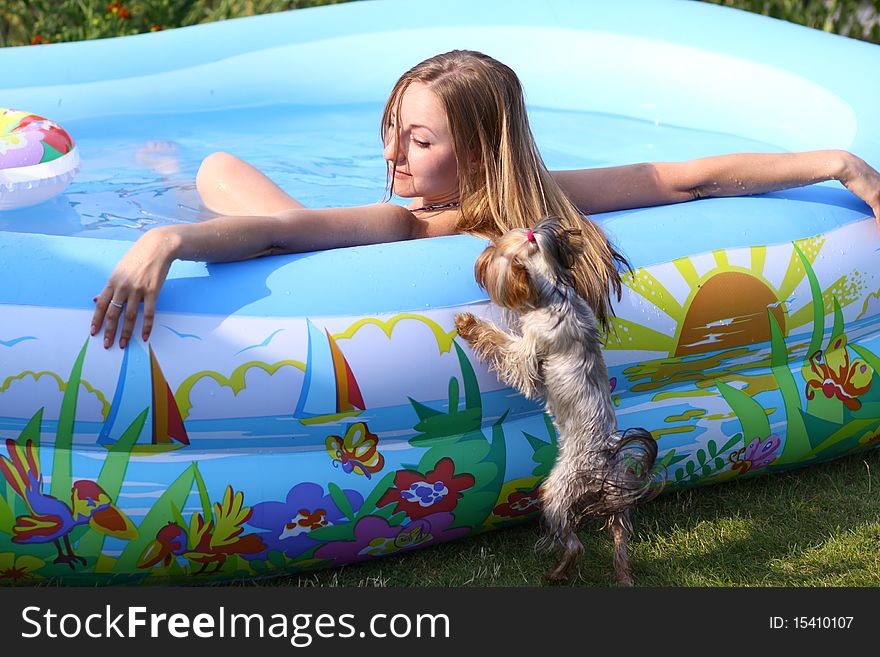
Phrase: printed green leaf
[424,412]
[31,430]
[472,398]
[818,307]
[453,394]
[868,356]
[340,532]
[713,448]
[341,500]
[62,480]
[204,498]
[749,412]
[7,517]
[849,430]
[378,491]
[830,410]
[838,320]
[534,442]
[733,441]
[701,456]
[177,516]
[671,458]
[276,558]
[867,410]
[796,437]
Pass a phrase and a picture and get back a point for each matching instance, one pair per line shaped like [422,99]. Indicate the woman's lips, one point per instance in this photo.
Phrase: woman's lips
[402,174]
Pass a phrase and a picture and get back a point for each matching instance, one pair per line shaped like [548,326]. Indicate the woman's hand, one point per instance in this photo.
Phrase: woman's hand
[137,278]
[862,180]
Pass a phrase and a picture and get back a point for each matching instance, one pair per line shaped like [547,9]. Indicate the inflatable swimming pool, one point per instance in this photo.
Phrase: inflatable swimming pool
[313,410]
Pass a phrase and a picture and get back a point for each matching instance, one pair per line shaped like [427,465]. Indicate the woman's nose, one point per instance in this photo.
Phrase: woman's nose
[391,152]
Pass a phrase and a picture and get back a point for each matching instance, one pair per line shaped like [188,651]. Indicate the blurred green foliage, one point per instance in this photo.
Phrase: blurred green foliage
[859,19]
[24,22]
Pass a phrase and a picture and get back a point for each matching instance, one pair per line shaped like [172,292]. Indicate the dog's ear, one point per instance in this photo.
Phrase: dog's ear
[481,268]
[506,280]
[561,244]
[516,290]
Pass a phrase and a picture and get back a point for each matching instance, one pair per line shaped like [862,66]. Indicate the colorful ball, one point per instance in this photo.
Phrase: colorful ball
[38,159]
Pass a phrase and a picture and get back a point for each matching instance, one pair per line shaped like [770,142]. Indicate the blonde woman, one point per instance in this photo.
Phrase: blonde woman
[458,143]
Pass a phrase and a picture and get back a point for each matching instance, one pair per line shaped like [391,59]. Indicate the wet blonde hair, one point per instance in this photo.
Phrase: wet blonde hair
[511,186]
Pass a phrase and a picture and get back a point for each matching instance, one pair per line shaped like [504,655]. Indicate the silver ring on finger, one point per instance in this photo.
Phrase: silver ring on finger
[116,304]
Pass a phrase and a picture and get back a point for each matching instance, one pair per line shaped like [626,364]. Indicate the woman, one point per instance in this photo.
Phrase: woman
[458,143]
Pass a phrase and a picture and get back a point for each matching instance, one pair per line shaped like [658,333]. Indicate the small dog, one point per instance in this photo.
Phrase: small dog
[556,354]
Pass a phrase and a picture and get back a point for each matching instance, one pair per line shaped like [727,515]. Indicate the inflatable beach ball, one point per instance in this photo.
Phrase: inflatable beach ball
[38,159]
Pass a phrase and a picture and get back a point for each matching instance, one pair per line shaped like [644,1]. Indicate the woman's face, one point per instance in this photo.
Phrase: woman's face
[420,143]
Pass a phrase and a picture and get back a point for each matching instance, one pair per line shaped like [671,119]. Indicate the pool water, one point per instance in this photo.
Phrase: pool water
[138,171]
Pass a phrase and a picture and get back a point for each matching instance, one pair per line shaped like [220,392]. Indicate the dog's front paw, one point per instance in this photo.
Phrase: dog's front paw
[467,325]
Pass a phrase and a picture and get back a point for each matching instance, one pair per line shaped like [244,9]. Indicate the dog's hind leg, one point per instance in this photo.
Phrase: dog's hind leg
[620,526]
[559,519]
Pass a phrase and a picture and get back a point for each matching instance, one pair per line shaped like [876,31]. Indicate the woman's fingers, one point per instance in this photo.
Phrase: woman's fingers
[102,302]
[129,316]
[112,315]
[149,314]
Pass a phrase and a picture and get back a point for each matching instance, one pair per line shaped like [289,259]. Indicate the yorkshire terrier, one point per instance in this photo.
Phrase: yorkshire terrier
[555,354]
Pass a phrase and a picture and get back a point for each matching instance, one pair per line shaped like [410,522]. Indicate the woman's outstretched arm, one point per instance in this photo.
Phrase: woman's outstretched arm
[139,276]
[660,183]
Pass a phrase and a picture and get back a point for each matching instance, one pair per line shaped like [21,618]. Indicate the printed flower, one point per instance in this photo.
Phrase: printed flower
[357,452]
[19,568]
[756,455]
[837,376]
[421,495]
[519,504]
[289,523]
[374,537]
[38,39]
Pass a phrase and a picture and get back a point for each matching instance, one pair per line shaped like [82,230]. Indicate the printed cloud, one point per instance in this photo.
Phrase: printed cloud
[22,397]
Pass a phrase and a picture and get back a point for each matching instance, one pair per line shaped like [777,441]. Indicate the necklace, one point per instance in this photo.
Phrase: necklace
[432,208]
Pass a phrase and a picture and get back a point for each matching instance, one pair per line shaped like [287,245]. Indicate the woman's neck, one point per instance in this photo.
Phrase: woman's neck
[425,204]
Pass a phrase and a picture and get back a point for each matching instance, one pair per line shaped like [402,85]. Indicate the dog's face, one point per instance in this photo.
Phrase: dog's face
[513,268]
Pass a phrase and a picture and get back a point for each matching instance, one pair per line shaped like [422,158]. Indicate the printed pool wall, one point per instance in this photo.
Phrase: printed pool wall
[309,411]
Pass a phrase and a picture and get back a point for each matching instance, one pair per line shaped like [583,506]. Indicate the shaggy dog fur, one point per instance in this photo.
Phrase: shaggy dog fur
[555,354]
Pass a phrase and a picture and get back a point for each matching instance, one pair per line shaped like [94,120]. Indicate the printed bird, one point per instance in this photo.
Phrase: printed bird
[50,519]
[208,541]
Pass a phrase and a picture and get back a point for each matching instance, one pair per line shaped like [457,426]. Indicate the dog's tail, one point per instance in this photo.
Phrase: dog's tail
[629,475]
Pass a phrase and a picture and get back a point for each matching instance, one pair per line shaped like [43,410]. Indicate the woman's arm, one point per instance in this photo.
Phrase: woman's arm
[660,183]
[140,274]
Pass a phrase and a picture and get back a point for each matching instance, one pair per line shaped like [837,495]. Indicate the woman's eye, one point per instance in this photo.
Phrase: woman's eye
[421,144]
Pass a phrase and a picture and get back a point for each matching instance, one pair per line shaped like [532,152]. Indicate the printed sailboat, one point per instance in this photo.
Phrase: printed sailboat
[330,391]
[163,430]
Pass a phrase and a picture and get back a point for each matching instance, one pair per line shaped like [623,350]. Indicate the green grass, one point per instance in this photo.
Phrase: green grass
[818,526]
[23,22]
